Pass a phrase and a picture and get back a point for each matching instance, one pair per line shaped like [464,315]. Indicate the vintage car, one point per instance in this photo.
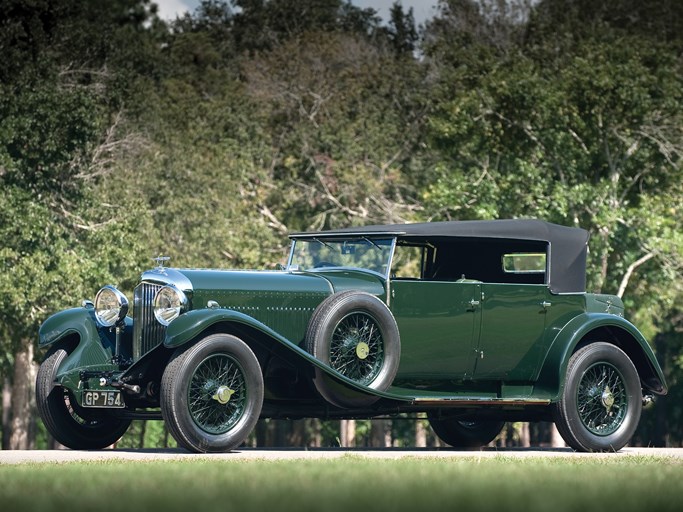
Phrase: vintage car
[473,323]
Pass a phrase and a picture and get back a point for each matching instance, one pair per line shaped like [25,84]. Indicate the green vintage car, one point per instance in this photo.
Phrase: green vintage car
[474,323]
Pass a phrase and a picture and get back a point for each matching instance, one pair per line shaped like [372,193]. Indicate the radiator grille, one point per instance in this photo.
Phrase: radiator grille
[147,332]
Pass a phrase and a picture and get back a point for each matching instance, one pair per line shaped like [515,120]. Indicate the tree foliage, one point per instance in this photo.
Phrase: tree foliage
[209,137]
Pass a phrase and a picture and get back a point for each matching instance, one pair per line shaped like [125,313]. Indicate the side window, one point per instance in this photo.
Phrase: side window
[408,262]
[524,263]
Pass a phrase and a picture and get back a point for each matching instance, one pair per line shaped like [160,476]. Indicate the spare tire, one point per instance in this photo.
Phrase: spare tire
[355,334]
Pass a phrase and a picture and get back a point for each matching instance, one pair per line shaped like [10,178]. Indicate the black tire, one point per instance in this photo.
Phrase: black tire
[70,424]
[356,334]
[465,434]
[600,405]
[212,394]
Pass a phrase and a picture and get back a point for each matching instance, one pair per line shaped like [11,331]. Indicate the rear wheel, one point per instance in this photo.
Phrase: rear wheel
[465,434]
[70,424]
[212,394]
[600,405]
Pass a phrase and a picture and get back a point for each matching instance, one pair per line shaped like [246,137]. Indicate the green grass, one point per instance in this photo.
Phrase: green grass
[348,484]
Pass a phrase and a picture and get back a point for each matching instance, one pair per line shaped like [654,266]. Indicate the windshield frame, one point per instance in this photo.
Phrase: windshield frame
[339,239]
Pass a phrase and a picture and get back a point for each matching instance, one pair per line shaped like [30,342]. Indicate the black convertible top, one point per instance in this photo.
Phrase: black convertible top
[567,245]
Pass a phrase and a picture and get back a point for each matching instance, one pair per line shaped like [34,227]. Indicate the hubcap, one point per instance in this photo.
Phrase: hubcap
[223,394]
[607,398]
[217,394]
[357,348]
[362,350]
[602,400]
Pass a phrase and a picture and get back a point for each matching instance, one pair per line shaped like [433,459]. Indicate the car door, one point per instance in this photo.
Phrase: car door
[512,327]
[438,323]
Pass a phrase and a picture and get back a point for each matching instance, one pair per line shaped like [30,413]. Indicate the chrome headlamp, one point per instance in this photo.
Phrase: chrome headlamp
[169,303]
[111,306]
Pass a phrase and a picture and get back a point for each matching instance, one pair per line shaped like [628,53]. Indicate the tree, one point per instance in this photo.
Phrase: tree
[342,127]
[59,130]
[587,136]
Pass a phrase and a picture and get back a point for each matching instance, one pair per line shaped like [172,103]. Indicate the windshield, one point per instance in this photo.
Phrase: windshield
[364,253]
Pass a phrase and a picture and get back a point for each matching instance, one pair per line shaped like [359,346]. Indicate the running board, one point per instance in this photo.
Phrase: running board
[473,401]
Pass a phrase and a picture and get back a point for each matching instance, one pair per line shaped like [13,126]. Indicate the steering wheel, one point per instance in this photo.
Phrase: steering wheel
[321,264]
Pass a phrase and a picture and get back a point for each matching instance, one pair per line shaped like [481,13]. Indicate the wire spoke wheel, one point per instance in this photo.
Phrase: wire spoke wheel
[601,399]
[355,334]
[217,394]
[600,405]
[357,348]
[212,394]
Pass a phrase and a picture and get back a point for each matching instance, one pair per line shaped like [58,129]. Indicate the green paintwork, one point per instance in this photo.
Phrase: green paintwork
[284,301]
[512,326]
[462,342]
[93,351]
[78,321]
[193,323]
[550,382]
[95,347]
[437,324]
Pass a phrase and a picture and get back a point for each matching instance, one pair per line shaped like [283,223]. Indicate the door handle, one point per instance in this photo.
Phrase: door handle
[473,304]
[546,305]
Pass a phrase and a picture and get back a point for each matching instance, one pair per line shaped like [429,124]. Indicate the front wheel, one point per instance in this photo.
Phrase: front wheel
[70,424]
[212,394]
[600,405]
[465,434]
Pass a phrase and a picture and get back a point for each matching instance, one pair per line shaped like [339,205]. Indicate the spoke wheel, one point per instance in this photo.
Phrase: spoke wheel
[70,424]
[601,399]
[355,334]
[357,348]
[600,405]
[217,394]
[212,394]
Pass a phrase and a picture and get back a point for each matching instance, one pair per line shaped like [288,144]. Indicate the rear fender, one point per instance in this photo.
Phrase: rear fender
[598,327]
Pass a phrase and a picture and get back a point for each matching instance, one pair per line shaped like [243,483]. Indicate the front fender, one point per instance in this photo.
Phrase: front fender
[620,332]
[190,325]
[78,321]
[89,345]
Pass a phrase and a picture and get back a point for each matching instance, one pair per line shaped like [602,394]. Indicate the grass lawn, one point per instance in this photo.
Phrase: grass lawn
[350,484]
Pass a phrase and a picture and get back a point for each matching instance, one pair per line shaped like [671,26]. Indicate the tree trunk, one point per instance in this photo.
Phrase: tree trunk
[297,434]
[347,433]
[316,435]
[23,399]
[380,433]
[420,434]
[524,436]
[556,440]
[6,411]
[261,433]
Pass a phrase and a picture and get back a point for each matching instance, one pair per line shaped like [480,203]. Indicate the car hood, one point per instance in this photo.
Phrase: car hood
[245,288]
[193,281]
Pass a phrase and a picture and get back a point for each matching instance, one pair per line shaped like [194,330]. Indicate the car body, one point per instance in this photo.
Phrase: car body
[473,322]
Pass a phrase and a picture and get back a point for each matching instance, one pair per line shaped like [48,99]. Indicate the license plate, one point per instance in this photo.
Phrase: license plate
[103,399]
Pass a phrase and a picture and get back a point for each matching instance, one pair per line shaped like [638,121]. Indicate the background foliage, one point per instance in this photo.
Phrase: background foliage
[210,137]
